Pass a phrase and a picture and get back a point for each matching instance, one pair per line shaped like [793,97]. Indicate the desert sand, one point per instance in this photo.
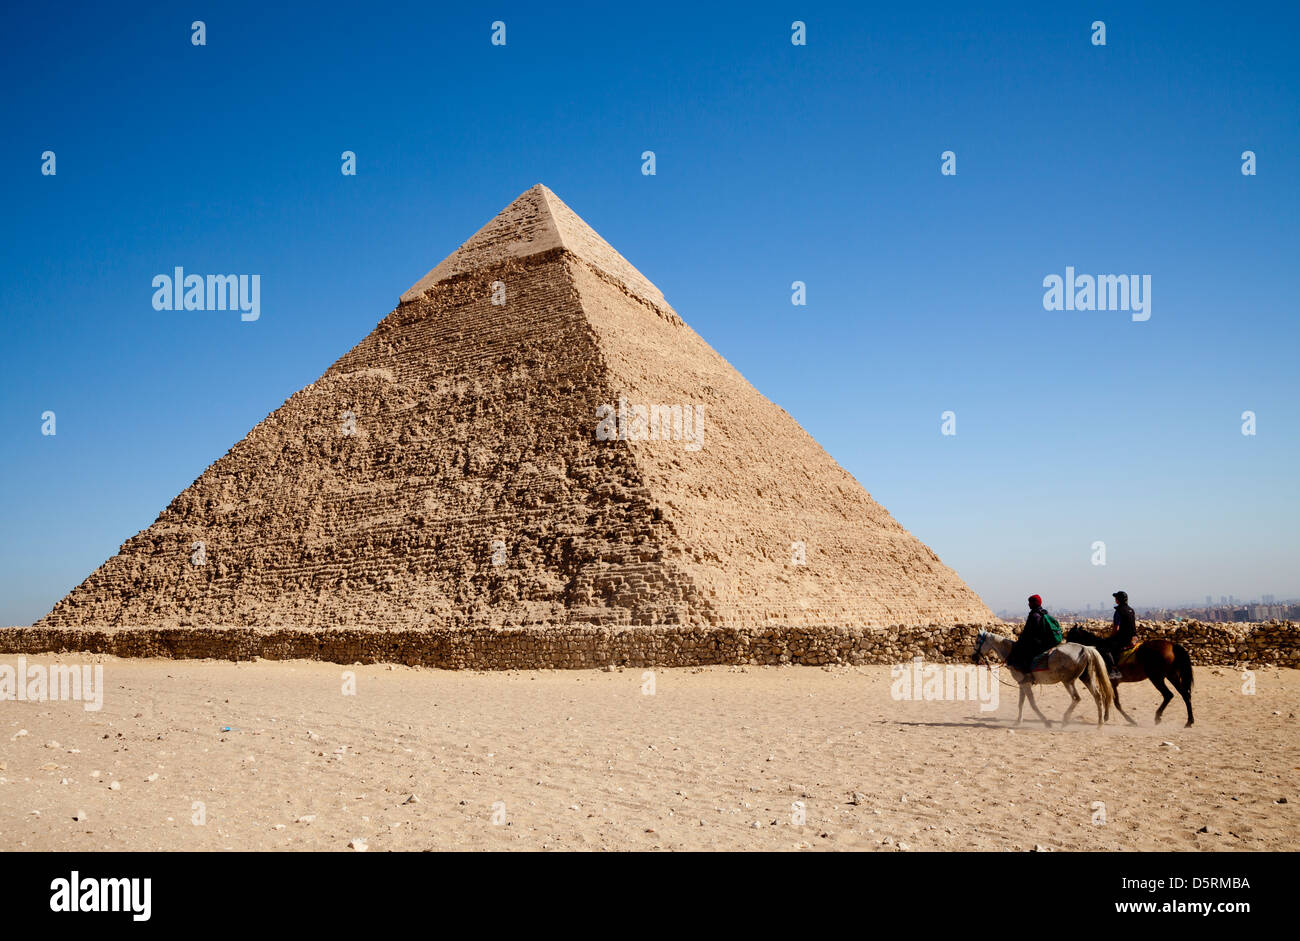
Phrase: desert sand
[716,758]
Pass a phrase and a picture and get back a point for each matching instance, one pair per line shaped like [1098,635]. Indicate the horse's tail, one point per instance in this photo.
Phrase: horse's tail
[1097,664]
[1183,667]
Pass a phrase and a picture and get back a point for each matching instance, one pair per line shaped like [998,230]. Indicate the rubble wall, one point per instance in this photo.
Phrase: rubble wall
[591,647]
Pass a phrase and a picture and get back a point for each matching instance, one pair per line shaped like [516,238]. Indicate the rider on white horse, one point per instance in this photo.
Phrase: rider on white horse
[1036,638]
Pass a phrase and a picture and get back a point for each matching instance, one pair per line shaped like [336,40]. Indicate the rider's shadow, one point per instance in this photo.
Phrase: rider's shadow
[996,723]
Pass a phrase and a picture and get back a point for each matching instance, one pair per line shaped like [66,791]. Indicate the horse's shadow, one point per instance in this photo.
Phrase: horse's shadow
[973,724]
[1028,725]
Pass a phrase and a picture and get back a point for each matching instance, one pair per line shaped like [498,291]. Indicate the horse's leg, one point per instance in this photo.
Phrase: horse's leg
[1185,691]
[1121,708]
[1074,701]
[1158,681]
[1020,714]
[1029,691]
[1177,666]
[1088,681]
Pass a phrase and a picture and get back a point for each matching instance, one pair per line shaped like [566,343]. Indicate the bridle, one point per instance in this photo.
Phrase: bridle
[983,636]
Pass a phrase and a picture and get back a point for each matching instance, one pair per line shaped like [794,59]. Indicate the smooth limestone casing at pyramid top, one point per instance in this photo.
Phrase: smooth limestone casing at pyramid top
[472,491]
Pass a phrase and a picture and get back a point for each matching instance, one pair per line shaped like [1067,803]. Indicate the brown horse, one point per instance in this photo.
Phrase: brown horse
[1154,660]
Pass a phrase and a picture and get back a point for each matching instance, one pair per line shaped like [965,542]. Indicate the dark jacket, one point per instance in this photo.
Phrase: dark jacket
[1035,638]
[1037,630]
[1125,628]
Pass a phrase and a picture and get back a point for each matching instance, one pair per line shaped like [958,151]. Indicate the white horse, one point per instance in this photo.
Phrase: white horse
[1064,663]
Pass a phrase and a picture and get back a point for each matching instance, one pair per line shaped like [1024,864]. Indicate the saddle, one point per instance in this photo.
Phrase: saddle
[1040,662]
[1126,657]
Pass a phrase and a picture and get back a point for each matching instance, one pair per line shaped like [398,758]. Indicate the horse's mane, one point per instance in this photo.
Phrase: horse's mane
[1082,632]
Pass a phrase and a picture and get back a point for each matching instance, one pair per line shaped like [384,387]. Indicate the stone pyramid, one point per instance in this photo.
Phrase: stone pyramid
[532,438]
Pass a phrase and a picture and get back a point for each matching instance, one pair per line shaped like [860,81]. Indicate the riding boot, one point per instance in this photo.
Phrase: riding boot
[1109,657]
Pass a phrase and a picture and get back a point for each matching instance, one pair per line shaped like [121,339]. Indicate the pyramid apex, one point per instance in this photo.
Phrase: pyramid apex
[536,221]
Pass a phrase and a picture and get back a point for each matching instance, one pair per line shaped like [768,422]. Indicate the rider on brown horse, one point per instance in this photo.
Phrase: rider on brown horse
[1123,634]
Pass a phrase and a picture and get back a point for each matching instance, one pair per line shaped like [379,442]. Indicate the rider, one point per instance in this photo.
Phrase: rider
[1033,640]
[1123,634]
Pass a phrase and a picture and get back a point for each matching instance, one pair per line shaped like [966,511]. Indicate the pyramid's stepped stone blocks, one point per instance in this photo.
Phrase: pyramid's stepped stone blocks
[373,498]
[588,647]
[456,444]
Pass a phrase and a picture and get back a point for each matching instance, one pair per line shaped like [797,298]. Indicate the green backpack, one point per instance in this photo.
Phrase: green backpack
[1054,626]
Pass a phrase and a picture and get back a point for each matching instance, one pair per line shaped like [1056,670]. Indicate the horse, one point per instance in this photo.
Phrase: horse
[1154,660]
[1064,663]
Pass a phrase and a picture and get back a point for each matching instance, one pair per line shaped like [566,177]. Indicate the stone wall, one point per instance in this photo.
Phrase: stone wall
[1269,642]
[588,647]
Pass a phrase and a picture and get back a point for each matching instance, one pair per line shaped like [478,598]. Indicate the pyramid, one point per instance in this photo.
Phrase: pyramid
[532,438]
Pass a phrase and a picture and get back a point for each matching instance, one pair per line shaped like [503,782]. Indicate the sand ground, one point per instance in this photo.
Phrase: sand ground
[715,758]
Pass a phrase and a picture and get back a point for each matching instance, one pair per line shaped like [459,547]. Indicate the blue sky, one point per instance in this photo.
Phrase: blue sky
[775,163]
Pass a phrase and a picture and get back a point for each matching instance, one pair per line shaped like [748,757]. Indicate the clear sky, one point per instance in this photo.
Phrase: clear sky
[775,163]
